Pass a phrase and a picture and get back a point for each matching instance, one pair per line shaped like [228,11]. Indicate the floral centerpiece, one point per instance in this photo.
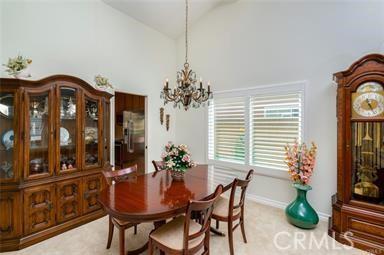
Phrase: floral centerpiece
[15,66]
[102,82]
[177,159]
[301,161]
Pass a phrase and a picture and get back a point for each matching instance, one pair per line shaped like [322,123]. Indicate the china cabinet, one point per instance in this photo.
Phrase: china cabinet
[54,144]
[358,207]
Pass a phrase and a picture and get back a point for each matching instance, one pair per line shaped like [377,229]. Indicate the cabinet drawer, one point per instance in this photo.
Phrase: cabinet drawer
[10,215]
[68,200]
[92,185]
[39,208]
[366,229]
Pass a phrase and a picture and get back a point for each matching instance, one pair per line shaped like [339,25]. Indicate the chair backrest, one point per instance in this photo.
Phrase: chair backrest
[243,185]
[204,210]
[120,175]
[158,165]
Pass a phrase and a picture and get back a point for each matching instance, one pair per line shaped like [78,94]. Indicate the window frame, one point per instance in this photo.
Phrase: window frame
[247,93]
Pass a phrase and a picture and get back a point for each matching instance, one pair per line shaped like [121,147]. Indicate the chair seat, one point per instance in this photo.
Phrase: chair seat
[171,234]
[123,223]
[221,208]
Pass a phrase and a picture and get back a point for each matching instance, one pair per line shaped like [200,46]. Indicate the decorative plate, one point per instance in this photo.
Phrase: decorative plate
[64,136]
[7,139]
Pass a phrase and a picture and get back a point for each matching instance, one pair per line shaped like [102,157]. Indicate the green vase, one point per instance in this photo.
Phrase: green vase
[300,213]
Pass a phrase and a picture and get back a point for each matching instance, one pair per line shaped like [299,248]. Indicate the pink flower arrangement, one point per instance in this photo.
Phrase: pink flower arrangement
[177,158]
[300,161]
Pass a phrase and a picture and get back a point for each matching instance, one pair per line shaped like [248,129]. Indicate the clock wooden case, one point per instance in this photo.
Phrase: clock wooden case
[358,206]
[54,144]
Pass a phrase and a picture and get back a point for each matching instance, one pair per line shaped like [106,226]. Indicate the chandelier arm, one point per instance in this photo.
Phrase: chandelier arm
[204,97]
[169,96]
[196,98]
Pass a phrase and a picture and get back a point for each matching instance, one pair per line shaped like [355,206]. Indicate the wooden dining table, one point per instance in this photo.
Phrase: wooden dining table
[155,197]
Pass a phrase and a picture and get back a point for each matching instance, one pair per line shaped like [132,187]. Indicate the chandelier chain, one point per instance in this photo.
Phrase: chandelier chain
[186,31]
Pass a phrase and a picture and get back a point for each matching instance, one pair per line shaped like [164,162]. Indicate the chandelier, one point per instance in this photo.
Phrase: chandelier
[186,94]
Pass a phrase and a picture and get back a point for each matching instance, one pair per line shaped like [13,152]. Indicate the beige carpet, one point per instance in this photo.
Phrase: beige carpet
[263,225]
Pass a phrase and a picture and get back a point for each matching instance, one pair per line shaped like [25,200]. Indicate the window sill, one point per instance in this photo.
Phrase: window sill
[263,171]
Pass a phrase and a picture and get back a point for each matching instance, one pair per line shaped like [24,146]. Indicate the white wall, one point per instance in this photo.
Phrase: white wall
[251,43]
[244,44]
[86,38]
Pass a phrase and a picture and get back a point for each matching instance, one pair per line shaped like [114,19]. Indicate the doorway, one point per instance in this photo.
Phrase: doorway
[130,133]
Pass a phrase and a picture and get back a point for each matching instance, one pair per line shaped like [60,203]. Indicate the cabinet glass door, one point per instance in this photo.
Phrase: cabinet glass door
[38,131]
[92,132]
[67,130]
[368,143]
[368,161]
[7,133]
[107,130]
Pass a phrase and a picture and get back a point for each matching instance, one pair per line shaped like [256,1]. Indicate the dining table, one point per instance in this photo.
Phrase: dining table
[156,197]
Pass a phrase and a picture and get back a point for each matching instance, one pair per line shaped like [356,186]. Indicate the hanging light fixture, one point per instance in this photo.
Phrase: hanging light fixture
[186,94]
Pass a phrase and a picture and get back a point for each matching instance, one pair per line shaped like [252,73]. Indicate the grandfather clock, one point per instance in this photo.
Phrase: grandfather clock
[358,207]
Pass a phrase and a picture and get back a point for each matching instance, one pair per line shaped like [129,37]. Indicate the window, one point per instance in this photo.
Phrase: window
[227,130]
[275,121]
[251,127]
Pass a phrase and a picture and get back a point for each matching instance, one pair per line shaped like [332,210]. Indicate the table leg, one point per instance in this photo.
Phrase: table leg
[217,232]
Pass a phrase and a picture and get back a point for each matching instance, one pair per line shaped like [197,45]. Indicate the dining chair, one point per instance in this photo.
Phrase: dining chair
[183,235]
[112,177]
[158,165]
[227,210]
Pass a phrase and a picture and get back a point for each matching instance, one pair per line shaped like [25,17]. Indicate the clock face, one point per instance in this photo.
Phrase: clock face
[370,104]
[370,86]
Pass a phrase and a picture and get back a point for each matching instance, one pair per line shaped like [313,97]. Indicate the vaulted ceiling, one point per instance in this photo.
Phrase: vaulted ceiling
[165,16]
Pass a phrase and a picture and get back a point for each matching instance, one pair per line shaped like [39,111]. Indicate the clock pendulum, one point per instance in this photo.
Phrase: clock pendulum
[366,170]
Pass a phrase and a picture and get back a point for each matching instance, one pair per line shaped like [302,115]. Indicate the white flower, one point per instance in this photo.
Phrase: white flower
[17,64]
[170,164]
[102,82]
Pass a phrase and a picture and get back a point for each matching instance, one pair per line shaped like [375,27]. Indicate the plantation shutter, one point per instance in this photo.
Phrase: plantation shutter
[275,121]
[226,125]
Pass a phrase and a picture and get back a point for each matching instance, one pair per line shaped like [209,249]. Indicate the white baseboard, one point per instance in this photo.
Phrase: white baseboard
[280,205]
[323,216]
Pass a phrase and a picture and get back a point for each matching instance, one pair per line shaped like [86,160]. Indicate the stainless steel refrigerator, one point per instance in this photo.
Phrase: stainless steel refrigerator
[130,149]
